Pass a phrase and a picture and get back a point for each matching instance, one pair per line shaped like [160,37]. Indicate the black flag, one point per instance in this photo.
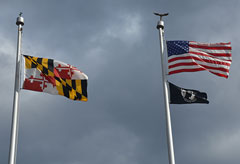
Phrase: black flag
[186,96]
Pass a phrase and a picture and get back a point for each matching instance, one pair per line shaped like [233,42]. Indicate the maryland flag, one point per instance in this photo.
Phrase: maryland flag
[54,77]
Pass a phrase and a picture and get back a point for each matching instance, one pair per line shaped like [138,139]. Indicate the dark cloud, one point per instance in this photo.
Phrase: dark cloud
[116,44]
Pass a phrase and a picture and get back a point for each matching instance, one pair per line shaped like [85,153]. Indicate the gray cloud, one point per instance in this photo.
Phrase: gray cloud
[116,44]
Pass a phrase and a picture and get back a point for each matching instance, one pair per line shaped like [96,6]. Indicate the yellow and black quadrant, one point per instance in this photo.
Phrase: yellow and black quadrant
[75,89]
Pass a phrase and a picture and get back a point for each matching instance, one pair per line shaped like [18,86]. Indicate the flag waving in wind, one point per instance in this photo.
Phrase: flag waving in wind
[54,77]
[189,56]
[180,95]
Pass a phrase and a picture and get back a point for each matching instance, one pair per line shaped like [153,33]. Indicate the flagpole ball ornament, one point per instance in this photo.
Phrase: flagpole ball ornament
[160,23]
[20,20]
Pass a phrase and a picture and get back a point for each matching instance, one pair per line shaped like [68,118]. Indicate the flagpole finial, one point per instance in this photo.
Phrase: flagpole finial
[161,15]
[160,23]
[20,20]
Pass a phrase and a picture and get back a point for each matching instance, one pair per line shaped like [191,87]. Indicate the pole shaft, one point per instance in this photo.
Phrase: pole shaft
[166,101]
[15,113]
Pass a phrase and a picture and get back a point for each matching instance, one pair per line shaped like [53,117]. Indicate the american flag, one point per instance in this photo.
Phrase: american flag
[190,56]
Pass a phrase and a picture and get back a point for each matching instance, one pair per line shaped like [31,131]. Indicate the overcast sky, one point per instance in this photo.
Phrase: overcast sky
[116,44]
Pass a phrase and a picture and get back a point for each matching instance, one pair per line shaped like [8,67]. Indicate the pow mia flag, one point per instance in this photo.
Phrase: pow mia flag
[186,96]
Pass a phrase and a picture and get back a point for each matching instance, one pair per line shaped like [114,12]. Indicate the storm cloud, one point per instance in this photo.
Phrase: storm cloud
[116,44]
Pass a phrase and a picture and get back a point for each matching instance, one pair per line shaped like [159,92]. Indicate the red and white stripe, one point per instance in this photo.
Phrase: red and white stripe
[215,58]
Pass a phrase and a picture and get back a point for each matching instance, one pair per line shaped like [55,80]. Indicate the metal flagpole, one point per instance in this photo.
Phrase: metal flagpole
[15,113]
[160,27]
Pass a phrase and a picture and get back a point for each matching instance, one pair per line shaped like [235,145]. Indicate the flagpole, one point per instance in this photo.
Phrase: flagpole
[160,27]
[15,113]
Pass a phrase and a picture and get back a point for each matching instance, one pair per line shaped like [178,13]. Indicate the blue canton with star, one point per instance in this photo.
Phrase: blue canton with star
[177,47]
